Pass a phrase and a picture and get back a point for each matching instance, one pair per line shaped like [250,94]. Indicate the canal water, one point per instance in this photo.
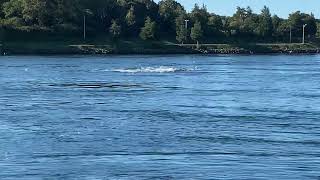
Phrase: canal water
[160,117]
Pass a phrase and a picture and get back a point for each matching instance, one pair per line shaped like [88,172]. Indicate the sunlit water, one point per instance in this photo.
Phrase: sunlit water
[154,117]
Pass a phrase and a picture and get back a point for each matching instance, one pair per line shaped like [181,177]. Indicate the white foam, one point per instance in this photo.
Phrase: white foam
[160,69]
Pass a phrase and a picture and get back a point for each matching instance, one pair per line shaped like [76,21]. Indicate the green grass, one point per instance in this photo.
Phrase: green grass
[99,45]
[46,44]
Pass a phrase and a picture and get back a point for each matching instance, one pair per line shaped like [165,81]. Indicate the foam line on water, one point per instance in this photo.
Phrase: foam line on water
[158,69]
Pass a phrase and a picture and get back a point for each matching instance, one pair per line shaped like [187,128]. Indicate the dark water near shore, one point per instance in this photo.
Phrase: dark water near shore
[153,117]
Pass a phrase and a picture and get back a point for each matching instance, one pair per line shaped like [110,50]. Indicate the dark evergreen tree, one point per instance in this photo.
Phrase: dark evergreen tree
[115,29]
[265,26]
[169,15]
[149,30]
[197,32]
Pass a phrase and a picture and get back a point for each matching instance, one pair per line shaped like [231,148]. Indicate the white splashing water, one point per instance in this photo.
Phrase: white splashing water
[160,69]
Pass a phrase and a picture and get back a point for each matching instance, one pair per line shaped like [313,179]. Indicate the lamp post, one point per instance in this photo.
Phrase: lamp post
[186,21]
[303,33]
[86,11]
[290,34]
[186,26]
[84,26]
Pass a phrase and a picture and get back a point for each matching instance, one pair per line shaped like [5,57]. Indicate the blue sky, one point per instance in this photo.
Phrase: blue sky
[280,7]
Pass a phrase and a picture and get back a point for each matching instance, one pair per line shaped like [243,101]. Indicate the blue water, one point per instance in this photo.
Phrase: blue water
[155,117]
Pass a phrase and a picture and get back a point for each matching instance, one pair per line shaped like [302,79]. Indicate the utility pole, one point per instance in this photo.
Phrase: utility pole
[85,12]
[186,21]
[290,34]
[84,26]
[186,26]
[303,33]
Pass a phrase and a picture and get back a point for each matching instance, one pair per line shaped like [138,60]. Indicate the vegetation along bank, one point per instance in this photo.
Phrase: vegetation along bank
[147,27]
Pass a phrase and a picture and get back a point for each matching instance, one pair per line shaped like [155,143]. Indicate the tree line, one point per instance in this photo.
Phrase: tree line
[148,20]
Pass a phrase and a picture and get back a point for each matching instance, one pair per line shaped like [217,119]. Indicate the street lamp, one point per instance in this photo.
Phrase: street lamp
[290,34]
[303,32]
[186,26]
[186,21]
[86,11]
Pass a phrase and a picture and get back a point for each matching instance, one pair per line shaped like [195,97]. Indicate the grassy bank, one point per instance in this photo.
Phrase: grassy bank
[137,46]
[259,48]
[120,47]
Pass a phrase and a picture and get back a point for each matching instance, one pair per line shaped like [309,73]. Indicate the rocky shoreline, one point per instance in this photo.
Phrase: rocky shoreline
[22,49]
[243,51]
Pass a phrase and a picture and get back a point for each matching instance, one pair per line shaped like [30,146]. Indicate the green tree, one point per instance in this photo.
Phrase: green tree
[200,15]
[298,19]
[67,11]
[149,30]
[214,25]
[181,29]
[182,34]
[311,28]
[265,27]
[169,10]
[130,17]
[276,22]
[13,8]
[102,13]
[115,29]
[40,12]
[318,30]
[197,33]
[244,22]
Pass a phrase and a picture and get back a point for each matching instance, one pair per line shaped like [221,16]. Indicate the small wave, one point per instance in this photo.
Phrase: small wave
[159,69]
[96,85]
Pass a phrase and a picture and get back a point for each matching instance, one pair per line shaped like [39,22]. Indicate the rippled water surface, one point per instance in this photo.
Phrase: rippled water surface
[154,117]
